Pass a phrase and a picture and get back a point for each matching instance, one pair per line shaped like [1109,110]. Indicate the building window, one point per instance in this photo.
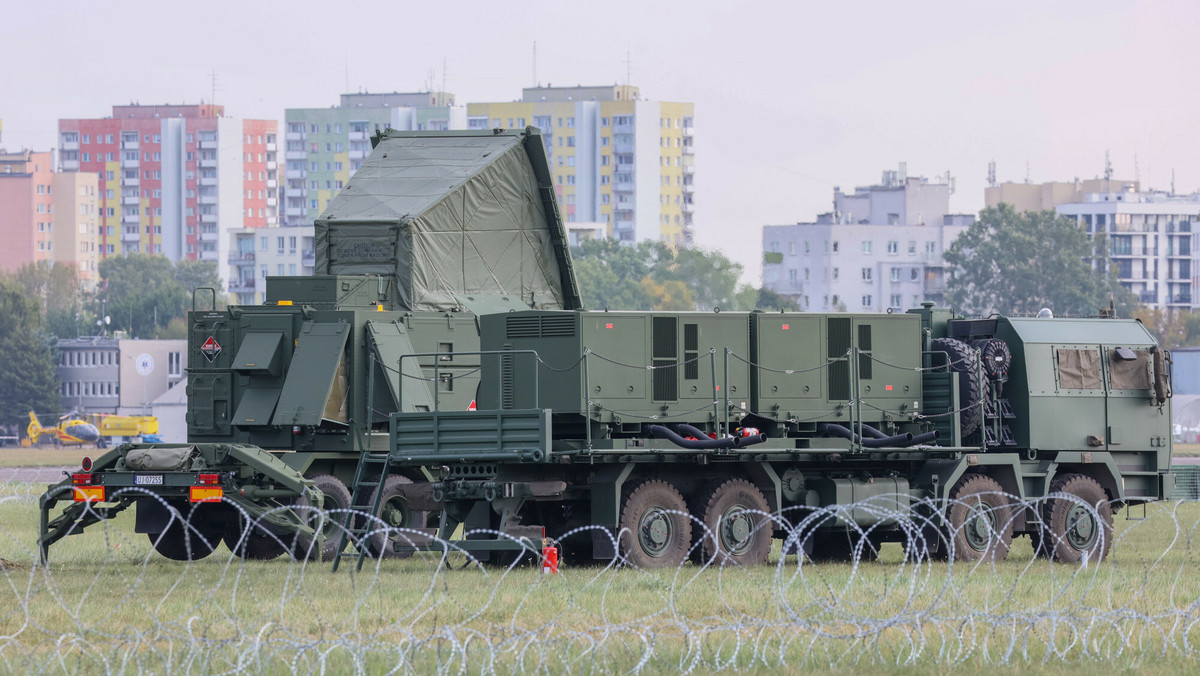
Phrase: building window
[866,300]
[866,274]
[174,364]
[866,246]
[896,300]
[893,247]
[895,277]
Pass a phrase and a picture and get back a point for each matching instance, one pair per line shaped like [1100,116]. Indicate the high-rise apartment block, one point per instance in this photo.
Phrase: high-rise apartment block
[1150,242]
[47,216]
[617,159]
[173,180]
[325,146]
[880,248]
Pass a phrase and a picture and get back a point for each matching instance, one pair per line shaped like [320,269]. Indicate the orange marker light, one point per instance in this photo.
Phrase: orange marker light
[206,494]
[89,494]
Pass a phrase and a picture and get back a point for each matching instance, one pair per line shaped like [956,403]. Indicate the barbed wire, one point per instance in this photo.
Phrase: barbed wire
[107,603]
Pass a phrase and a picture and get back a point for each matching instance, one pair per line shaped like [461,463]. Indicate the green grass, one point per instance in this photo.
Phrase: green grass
[106,596]
[46,456]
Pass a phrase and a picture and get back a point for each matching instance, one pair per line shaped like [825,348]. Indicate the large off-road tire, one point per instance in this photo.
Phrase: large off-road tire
[980,520]
[335,499]
[655,530]
[188,537]
[394,512]
[964,361]
[1072,531]
[260,544]
[736,528]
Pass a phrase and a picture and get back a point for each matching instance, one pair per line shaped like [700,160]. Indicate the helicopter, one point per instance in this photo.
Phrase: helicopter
[70,431]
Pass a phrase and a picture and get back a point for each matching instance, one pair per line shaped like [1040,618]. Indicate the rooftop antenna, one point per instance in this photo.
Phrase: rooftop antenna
[1107,168]
[1137,170]
[1026,171]
[992,173]
[347,90]
[535,80]
[213,98]
[1172,182]
[628,67]
[443,80]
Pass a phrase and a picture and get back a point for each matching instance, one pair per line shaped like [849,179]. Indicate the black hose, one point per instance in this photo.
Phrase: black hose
[697,444]
[925,438]
[689,430]
[742,442]
[838,430]
[871,431]
[898,440]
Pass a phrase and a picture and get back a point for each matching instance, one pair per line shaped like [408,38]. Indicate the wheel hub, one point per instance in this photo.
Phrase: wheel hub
[1081,527]
[980,527]
[655,532]
[394,514]
[736,530]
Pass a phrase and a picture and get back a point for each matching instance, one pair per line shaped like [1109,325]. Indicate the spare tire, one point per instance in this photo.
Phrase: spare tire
[996,358]
[964,361]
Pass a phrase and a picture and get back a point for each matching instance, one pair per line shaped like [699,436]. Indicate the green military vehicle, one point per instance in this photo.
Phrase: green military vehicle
[434,230]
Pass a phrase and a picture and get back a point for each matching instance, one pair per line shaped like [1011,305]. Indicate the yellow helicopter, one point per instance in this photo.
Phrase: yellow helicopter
[70,431]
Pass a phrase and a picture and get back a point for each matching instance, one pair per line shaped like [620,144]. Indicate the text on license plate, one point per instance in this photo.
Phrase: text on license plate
[147,479]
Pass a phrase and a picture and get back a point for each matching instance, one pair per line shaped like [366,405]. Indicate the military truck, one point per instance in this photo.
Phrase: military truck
[708,434]
[433,231]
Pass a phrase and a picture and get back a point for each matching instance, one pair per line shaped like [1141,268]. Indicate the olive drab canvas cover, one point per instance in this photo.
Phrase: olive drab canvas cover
[452,213]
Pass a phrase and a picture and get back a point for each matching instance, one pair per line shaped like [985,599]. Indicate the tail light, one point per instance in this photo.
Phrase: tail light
[81,479]
[87,464]
[209,479]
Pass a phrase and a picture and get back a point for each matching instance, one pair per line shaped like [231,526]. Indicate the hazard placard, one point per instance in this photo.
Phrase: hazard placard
[211,348]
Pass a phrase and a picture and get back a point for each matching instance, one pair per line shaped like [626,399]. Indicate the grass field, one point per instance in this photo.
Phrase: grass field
[108,600]
[45,456]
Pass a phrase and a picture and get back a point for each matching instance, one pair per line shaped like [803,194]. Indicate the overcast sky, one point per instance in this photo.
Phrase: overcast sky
[792,98]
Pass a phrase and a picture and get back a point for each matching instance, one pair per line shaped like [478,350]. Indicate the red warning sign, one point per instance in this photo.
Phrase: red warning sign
[472,406]
[211,348]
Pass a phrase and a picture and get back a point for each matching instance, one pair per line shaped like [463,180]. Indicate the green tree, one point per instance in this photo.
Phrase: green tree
[653,276]
[193,275]
[55,289]
[141,294]
[749,298]
[28,381]
[1018,263]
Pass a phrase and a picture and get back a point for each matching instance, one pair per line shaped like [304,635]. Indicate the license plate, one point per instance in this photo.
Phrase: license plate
[147,479]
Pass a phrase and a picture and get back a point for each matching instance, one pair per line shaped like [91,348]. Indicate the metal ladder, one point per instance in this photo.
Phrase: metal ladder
[357,533]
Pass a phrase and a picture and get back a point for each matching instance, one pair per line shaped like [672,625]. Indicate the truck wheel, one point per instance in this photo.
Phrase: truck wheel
[394,513]
[1074,531]
[257,545]
[187,538]
[736,528]
[656,531]
[980,520]
[964,361]
[335,500]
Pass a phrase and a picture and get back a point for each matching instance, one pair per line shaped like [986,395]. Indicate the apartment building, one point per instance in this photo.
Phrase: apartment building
[47,216]
[173,179]
[881,248]
[258,253]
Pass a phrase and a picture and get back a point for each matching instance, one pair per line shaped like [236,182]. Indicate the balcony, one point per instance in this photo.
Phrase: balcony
[688,208]
[688,169]
[271,147]
[295,173]
[624,128]
[69,165]
[357,154]
[623,148]
[206,199]
[131,219]
[207,164]
[129,145]
[241,257]
[358,136]
[272,183]
[625,168]
[131,200]
[688,132]
[272,202]
[130,181]
[272,165]
[689,150]
[1180,300]
[623,187]
[207,145]
[308,258]
[294,212]
[69,145]
[1148,297]
[130,164]
[133,236]
[294,136]
[208,218]
[208,181]
[241,285]
[295,155]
